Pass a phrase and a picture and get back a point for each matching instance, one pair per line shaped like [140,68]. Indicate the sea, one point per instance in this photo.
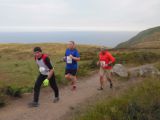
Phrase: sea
[100,38]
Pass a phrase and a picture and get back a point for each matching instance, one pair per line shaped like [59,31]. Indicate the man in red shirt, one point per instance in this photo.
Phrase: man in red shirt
[105,63]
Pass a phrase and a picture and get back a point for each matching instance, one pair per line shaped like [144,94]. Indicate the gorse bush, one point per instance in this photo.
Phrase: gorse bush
[2,100]
[17,91]
[157,65]
[13,91]
[139,58]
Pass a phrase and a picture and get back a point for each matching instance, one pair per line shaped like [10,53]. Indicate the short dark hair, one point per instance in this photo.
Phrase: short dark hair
[37,49]
[72,42]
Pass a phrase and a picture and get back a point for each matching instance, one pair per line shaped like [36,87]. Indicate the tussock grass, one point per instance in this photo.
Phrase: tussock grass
[140,102]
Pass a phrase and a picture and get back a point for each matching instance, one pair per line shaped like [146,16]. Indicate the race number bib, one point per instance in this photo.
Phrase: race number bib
[102,63]
[69,60]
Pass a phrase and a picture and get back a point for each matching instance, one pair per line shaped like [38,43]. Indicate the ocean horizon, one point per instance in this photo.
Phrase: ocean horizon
[102,38]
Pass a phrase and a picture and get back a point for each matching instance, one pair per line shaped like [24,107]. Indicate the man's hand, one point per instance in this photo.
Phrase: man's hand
[71,56]
[45,82]
[74,58]
[51,72]
[110,64]
[63,59]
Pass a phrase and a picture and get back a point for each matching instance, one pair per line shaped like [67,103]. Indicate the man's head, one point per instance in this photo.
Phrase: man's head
[37,52]
[103,49]
[71,44]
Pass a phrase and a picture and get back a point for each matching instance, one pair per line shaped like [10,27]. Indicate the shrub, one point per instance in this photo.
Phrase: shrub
[157,65]
[2,100]
[14,91]
[136,57]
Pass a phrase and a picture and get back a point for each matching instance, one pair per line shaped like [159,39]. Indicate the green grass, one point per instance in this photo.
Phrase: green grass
[146,39]
[157,65]
[137,58]
[140,102]
[19,71]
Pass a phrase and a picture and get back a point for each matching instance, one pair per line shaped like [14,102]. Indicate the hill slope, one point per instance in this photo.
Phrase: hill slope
[18,70]
[149,38]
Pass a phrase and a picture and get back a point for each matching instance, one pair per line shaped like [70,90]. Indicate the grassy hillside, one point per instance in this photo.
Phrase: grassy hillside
[17,65]
[18,69]
[149,38]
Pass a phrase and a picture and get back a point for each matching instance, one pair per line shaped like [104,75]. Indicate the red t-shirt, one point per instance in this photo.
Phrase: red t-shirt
[106,58]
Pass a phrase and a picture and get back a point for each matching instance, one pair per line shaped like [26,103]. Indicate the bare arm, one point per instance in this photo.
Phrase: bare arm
[75,58]
[51,72]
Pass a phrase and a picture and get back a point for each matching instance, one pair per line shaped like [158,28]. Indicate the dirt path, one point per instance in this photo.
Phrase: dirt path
[48,110]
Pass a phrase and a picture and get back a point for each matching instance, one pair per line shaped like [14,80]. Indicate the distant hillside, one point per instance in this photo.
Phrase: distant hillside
[149,38]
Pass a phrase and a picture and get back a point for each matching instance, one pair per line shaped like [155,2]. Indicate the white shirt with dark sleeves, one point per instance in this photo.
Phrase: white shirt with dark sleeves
[46,64]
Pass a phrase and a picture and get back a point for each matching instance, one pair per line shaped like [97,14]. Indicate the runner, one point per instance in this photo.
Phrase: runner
[71,58]
[105,61]
[46,76]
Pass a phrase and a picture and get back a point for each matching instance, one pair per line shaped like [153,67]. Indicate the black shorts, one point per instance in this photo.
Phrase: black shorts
[71,71]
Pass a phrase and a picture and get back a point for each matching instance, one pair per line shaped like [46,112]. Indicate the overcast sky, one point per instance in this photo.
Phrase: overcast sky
[46,15]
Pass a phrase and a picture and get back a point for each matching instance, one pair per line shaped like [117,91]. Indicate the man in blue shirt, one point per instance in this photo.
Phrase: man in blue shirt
[71,58]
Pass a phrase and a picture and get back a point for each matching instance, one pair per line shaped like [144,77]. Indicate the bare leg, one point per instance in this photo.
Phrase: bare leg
[74,81]
[101,83]
[110,81]
[68,77]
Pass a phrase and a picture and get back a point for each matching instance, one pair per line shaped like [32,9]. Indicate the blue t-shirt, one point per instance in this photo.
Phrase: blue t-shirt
[72,64]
